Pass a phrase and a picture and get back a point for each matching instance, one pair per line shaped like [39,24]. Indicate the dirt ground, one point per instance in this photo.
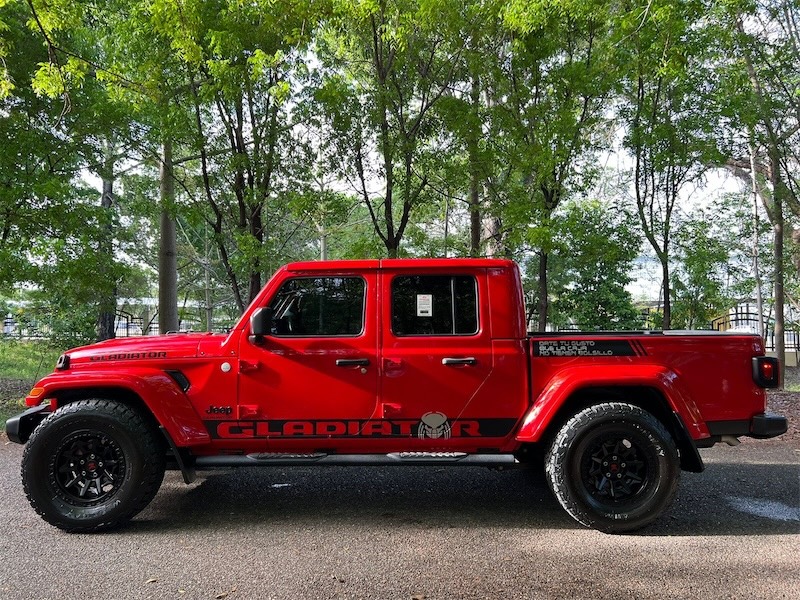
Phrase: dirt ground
[11,393]
[788,405]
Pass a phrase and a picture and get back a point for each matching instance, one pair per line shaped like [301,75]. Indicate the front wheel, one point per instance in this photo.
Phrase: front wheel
[613,467]
[92,465]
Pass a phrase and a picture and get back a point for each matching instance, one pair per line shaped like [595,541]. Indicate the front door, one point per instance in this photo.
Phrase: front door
[315,377]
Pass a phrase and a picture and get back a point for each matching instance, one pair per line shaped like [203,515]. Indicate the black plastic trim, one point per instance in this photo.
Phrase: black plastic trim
[691,460]
[763,426]
[352,362]
[63,362]
[182,458]
[181,379]
[20,427]
[412,459]
[741,427]
[768,425]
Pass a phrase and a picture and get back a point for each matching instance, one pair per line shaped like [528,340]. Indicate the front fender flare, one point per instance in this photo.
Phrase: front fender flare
[168,404]
[566,382]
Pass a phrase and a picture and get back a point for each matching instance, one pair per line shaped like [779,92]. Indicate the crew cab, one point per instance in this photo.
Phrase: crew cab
[386,363]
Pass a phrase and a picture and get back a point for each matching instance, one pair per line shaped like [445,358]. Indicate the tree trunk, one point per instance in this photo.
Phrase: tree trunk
[474,216]
[474,177]
[552,197]
[543,302]
[666,319]
[756,266]
[257,231]
[209,308]
[167,249]
[492,233]
[323,243]
[778,230]
[778,191]
[106,318]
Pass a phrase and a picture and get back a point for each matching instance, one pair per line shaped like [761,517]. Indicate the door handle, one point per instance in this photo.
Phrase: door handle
[352,362]
[245,366]
[391,409]
[459,361]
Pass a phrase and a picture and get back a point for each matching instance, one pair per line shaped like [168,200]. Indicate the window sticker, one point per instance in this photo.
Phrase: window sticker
[424,305]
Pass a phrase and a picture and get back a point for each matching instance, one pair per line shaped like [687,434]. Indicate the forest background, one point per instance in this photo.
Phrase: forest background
[185,149]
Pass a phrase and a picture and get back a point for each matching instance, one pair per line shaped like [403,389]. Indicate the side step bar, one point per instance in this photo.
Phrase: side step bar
[396,458]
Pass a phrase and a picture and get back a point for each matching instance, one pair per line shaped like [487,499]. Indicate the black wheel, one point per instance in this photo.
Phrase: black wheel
[92,465]
[613,467]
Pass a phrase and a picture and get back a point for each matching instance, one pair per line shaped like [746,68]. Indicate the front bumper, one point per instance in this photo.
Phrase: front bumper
[20,427]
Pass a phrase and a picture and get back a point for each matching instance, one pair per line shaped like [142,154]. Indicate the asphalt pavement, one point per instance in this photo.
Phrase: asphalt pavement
[413,534]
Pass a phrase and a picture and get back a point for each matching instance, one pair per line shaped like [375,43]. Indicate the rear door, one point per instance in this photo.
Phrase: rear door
[437,358]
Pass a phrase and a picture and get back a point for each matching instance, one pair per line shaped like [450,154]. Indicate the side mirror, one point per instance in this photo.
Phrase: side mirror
[261,324]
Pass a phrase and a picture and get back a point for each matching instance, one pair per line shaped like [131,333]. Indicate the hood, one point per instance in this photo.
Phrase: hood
[147,348]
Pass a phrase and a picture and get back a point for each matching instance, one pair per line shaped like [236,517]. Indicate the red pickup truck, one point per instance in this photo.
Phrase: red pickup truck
[391,362]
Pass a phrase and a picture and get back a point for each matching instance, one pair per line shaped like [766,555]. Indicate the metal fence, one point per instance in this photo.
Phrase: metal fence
[39,327]
[745,320]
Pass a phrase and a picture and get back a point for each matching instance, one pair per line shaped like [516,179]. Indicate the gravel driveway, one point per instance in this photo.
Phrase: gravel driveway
[411,533]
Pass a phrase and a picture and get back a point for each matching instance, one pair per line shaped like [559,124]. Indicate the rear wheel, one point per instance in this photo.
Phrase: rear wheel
[92,465]
[613,467]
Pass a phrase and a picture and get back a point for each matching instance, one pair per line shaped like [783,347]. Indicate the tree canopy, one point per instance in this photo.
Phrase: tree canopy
[211,141]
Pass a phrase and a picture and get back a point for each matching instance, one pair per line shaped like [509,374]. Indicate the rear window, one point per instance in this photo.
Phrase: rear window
[434,305]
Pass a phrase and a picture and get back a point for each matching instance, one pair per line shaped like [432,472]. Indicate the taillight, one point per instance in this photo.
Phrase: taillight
[766,371]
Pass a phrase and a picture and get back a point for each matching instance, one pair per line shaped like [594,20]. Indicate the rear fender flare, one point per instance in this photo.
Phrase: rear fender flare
[568,381]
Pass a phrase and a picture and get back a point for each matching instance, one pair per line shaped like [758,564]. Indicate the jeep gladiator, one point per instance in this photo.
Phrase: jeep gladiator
[391,362]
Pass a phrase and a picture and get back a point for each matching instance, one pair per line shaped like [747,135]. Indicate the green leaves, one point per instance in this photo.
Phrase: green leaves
[368,127]
[594,249]
[704,272]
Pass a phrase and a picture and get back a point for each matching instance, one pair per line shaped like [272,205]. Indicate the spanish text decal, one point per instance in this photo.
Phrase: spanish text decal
[558,348]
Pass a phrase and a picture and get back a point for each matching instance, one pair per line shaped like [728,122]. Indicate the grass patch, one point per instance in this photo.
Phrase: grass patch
[21,364]
[26,360]
[9,409]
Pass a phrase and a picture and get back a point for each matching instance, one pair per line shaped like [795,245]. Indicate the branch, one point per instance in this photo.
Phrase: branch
[53,59]
[363,191]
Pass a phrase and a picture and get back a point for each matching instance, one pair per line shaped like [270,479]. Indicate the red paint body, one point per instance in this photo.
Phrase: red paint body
[287,394]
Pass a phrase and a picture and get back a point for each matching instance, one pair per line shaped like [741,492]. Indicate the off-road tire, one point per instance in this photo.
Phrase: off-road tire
[92,465]
[613,467]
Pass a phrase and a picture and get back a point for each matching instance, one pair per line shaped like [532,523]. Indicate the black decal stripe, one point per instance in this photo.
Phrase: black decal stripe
[370,429]
[494,427]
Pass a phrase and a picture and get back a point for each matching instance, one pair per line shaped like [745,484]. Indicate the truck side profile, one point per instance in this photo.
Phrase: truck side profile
[391,362]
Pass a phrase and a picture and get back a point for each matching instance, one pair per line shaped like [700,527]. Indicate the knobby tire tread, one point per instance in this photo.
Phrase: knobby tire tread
[557,468]
[131,421]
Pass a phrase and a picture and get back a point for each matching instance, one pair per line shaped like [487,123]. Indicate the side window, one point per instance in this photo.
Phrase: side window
[319,306]
[434,305]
